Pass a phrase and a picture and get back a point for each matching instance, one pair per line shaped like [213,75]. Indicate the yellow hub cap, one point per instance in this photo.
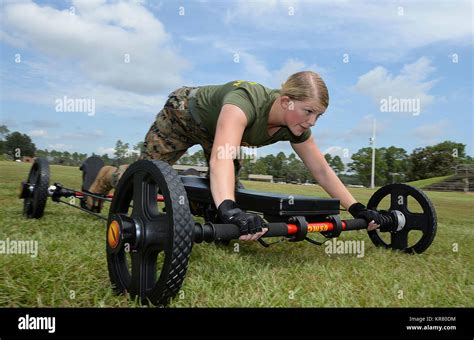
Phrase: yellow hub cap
[113,234]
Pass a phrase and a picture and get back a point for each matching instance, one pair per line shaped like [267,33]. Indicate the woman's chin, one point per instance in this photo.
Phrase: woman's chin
[297,131]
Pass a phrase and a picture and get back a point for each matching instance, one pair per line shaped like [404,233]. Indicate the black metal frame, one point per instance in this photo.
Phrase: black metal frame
[279,210]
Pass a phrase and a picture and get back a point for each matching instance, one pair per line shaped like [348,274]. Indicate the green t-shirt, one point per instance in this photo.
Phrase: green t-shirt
[255,100]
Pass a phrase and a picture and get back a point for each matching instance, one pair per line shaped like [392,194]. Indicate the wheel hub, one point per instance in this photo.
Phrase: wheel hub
[123,230]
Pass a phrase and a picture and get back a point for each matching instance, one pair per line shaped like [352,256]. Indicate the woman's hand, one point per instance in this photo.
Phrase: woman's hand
[373,226]
[253,237]
[250,225]
[358,210]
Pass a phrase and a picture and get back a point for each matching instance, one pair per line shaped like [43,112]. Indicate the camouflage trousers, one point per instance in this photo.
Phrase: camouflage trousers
[173,132]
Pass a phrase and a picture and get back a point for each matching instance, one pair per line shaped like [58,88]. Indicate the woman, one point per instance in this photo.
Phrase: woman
[241,113]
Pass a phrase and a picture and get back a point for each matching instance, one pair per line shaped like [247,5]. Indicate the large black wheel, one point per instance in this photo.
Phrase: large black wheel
[34,191]
[419,215]
[149,243]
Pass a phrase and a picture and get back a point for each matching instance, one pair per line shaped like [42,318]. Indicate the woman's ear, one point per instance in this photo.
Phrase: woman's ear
[285,102]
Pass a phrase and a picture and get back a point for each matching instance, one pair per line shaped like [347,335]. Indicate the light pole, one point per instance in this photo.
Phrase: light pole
[372,142]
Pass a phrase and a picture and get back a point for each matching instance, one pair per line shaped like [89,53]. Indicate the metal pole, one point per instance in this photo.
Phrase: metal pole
[85,210]
[372,177]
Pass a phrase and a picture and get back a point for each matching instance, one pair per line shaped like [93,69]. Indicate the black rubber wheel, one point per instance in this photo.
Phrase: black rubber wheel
[165,236]
[34,191]
[425,221]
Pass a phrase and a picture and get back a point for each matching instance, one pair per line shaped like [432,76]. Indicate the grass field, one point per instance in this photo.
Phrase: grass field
[71,270]
[425,182]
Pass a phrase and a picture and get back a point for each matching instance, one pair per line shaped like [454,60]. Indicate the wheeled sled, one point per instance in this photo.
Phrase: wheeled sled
[151,231]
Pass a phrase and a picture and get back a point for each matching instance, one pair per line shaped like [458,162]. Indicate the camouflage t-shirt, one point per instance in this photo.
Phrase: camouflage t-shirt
[255,100]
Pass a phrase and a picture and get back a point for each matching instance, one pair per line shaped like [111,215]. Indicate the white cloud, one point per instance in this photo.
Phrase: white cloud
[61,147]
[131,152]
[42,123]
[83,135]
[70,84]
[431,133]
[99,37]
[255,69]
[410,83]
[290,67]
[111,151]
[336,150]
[252,67]
[102,150]
[381,32]
[38,133]
[274,149]
[362,131]
[257,10]
[89,135]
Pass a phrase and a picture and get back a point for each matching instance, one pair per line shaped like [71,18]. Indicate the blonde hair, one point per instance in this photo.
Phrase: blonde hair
[306,85]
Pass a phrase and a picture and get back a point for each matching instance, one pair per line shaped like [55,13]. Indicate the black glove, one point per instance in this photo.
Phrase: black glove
[230,213]
[358,210]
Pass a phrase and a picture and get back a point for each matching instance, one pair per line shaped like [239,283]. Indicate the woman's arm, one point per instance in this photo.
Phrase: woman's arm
[229,130]
[322,172]
[325,175]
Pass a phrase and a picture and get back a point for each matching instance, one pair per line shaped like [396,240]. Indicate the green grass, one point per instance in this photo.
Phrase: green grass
[428,181]
[71,268]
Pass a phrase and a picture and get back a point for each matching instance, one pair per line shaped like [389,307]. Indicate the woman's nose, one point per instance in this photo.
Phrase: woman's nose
[312,120]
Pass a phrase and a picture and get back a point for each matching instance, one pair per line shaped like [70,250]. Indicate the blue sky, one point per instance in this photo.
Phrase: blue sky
[366,51]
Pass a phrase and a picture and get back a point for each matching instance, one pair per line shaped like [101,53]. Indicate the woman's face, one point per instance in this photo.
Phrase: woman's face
[300,115]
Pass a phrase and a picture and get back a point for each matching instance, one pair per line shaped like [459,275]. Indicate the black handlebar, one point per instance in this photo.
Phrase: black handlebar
[210,232]
[356,224]
[231,231]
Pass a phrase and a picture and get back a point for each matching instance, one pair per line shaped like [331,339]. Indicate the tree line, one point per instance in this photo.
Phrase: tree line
[16,145]
[392,164]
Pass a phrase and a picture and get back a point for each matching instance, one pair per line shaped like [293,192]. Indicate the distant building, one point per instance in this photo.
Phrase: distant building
[261,178]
